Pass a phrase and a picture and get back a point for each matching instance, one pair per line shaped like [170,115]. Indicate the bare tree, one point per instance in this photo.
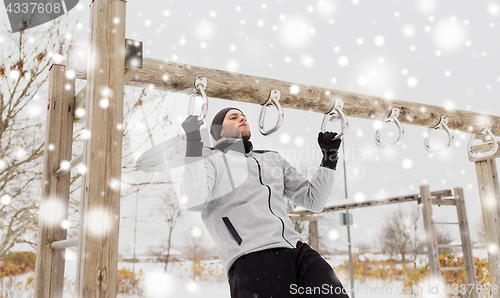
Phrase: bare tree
[401,233]
[170,212]
[415,241]
[25,58]
[328,226]
[195,247]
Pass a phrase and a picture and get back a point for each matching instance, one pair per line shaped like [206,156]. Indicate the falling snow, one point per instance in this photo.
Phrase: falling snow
[299,141]
[5,200]
[430,56]
[449,35]
[295,32]
[333,234]
[412,82]
[359,196]
[407,164]
[343,61]
[196,232]
[285,138]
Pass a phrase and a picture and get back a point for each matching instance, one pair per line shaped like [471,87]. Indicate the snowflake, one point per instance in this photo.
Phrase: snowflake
[285,138]
[449,35]
[407,164]
[343,61]
[307,61]
[295,32]
[412,82]
[379,41]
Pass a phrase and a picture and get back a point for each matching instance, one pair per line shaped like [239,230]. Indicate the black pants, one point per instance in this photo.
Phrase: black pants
[284,273]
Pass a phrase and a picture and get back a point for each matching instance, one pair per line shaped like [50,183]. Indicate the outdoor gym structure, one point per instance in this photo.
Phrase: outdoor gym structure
[104,66]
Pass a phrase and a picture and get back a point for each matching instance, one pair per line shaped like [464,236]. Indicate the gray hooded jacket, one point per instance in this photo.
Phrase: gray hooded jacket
[241,197]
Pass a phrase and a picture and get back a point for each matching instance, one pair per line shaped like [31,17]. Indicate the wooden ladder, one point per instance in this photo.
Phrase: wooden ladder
[108,59]
[432,247]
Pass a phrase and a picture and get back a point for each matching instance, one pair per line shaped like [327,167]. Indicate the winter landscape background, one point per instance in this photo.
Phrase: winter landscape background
[442,53]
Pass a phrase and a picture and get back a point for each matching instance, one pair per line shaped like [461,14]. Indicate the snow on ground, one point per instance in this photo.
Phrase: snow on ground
[157,283]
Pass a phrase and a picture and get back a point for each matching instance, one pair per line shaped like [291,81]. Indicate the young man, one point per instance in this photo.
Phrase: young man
[240,193]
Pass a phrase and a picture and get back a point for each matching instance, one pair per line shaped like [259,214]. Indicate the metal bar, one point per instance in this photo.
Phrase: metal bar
[62,244]
[73,163]
[451,268]
[349,244]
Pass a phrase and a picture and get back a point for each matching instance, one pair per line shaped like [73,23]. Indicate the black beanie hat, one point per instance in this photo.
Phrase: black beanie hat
[216,126]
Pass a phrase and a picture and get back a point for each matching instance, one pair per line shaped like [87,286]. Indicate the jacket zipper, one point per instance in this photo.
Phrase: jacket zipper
[269,202]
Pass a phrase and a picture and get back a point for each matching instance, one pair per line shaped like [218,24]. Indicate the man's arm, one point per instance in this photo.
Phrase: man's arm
[197,182]
[199,171]
[313,194]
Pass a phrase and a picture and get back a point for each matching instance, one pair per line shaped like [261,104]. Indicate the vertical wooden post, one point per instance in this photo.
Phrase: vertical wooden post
[470,272]
[489,195]
[313,234]
[49,270]
[100,205]
[430,233]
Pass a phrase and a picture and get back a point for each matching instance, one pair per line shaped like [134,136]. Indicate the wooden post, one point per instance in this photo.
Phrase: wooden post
[470,272]
[49,271]
[313,234]
[102,154]
[489,195]
[430,233]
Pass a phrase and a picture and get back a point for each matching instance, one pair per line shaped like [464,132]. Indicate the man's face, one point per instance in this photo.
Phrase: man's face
[235,123]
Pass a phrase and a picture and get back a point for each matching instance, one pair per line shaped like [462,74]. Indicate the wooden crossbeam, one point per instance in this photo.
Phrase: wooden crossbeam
[303,217]
[437,199]
[177,77]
